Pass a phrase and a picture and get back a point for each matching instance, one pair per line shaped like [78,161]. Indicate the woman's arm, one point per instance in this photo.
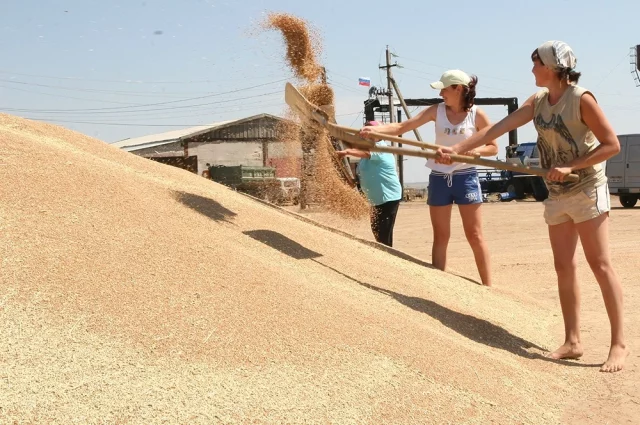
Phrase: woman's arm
[354,152]
[396,129]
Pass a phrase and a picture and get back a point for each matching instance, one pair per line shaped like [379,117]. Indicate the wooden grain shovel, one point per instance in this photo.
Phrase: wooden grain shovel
[308,110]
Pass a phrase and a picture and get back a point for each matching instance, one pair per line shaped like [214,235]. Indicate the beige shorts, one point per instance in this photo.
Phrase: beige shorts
[582,206]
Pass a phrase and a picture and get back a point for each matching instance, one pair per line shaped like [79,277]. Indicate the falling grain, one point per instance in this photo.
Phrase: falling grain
[302,46]
[318,94]
[325,179]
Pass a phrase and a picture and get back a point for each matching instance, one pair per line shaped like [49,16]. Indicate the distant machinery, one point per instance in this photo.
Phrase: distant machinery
[634,55]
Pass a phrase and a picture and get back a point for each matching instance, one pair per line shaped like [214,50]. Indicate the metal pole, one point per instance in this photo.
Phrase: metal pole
[400,158]
[392,117]
[389,91]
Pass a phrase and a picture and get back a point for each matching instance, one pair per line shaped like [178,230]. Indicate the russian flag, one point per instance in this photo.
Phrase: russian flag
[364,81]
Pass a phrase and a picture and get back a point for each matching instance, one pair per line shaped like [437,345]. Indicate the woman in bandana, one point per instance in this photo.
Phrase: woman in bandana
[568,121]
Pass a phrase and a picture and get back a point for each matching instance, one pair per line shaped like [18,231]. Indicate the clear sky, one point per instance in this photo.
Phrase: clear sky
[108,69]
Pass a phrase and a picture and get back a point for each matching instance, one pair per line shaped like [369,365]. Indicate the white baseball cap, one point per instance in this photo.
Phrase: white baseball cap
[450,78]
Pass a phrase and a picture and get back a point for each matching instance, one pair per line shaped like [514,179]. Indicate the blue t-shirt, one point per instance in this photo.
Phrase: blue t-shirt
[378,177]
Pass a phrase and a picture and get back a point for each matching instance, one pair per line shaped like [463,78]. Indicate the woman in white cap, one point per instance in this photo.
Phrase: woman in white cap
[456,119]
[568,121]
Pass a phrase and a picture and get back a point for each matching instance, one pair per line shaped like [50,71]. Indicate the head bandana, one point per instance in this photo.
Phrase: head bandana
[557,55]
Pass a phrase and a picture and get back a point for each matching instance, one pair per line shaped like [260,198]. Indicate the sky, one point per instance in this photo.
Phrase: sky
[115,70]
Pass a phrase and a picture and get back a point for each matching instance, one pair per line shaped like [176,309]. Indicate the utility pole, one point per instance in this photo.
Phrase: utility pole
[400,158]
[392,116]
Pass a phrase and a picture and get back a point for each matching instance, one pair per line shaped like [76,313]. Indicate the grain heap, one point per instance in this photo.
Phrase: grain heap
[323,176]
[134,292]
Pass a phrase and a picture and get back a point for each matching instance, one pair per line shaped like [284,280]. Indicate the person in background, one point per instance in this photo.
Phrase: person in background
[376,173]
[206,173]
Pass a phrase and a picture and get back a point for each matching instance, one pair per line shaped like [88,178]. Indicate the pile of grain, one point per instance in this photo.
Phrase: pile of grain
[135,292]
[325,180]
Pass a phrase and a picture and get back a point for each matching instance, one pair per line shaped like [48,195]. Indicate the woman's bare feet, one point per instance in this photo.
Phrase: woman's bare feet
[569,350]
[617,356]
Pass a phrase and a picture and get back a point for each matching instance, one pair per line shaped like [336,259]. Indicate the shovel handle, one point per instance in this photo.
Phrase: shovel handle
[542,172]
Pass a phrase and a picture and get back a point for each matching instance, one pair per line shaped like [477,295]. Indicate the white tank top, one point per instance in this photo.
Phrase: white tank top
[448,135]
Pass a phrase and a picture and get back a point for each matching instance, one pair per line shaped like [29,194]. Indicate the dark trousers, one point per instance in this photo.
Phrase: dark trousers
[383,218]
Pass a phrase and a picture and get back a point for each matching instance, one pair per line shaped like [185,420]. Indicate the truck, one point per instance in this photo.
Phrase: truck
[235,175]
[623,171]
[515,185]
[260,182]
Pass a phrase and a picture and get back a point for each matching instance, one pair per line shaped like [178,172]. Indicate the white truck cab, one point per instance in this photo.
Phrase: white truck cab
[623,170]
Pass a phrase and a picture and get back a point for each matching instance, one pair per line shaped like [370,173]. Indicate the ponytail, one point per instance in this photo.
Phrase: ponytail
[569,75]
[469,93]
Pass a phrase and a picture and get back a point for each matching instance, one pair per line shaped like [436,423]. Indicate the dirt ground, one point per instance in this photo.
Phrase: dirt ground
[522,264]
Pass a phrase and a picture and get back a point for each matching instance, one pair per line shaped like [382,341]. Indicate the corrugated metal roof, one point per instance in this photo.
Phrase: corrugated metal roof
[158,139]
[173,136]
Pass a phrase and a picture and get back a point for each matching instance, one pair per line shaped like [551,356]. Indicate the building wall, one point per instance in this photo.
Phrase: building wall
[286,167]
[227,153]
[249,153]
[284,150]
[286,158]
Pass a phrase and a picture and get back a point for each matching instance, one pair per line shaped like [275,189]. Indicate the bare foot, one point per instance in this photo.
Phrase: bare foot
[617,356]
[568,350]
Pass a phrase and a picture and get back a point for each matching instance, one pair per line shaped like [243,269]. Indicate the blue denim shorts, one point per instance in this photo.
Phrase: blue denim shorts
[461,187]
